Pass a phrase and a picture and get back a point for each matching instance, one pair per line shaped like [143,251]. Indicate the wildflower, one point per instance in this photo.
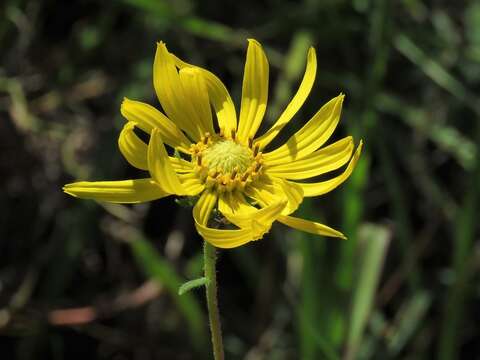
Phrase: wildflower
[227,166]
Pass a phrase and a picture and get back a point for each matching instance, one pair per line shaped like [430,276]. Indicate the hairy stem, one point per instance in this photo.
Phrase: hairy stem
[210,258]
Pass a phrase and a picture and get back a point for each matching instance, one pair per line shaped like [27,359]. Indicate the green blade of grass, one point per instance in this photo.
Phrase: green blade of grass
[462,261]
[353,191]
[310,302]
[447,138]
[435,71]
[318,307]
[408,319]
[374,240]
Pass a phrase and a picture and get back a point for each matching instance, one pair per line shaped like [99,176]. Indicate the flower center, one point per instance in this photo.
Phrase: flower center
[225,165]
[226,156]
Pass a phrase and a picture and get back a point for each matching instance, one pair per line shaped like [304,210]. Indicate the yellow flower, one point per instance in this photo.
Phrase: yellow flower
[228,168]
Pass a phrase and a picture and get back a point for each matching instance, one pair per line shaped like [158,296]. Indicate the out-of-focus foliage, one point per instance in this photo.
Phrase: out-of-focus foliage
[81,280]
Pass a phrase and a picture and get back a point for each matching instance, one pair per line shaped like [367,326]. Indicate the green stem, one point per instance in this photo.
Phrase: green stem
[210,257]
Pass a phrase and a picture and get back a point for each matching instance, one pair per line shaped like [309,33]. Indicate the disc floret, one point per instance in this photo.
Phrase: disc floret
[225,164]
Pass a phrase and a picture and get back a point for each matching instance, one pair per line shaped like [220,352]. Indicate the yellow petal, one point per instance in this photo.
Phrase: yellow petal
[197,102]
[239,212]
[219,97]
[310,226]
[296,103]
[171,94]
[225,239]
[264,216]
[161,168]
[204,206]
[146,117]
[273,190]
[256,226]
[254,92]
[132,148]
[181,166]
[311,136]
[124,191]
[319,162]
[191,183]
[234,203]
[320,188]
[240,204]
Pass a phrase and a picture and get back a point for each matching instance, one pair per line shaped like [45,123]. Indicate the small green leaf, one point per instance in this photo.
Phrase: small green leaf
[192,284]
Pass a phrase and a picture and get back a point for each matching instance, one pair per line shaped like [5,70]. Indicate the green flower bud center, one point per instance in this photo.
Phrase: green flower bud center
[226,155]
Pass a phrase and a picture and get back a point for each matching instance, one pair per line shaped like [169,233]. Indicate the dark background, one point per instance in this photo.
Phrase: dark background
[405,284]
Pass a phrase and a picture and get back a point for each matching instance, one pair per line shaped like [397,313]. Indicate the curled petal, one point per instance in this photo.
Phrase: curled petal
[310,226]
[296,103]
[204,206]
[124,191]
[234,203]
[255,225]
[323,187]
[311,136]
[146,117]
[225,239]
[240,213]
[319,162]
[132,148]
[273,190]
[254,92]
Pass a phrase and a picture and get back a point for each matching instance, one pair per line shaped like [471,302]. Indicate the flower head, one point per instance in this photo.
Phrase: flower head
[227,166]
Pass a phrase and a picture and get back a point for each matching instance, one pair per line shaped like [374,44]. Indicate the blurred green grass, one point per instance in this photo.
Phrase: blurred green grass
[402,287]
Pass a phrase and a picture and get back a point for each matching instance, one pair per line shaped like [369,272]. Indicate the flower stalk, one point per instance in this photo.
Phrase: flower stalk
[210,258]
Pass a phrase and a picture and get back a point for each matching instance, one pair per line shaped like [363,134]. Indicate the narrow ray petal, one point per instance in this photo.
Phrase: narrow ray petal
[234,203]
[274,190]
[225,239]
[311,136]
[257,227]
[191,184]
[161,168]
[310,226]
[181,166]
[132,148]
[124,191]
[217,237]
[204,206]
[171,94]
[228,202]
[265,216]
[296,103]
[320,188]
[146,117]
[240,213]
[319,162]
[254,92]
[219,97]
[197,100]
